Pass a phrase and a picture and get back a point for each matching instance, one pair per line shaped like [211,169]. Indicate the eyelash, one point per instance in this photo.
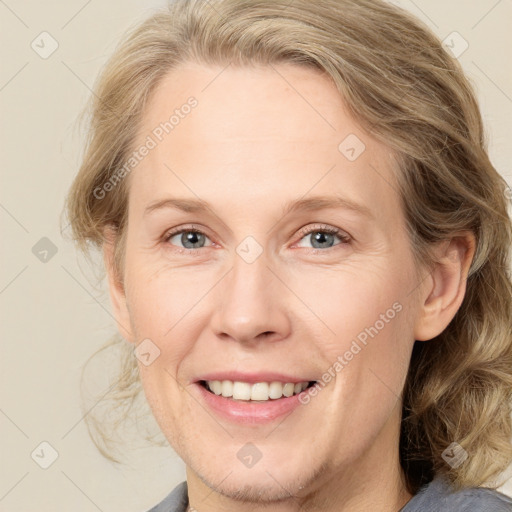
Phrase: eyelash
[342,235]
[322,228]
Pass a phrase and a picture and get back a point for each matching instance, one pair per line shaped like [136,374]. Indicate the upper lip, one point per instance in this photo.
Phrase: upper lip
[254,377]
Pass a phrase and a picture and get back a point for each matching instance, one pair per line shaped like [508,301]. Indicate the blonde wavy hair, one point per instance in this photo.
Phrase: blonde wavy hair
[409,93]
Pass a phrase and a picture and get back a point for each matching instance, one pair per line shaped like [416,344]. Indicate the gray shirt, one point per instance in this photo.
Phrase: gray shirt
[437,496]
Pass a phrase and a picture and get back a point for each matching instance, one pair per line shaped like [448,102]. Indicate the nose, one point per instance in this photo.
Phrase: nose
[252,304]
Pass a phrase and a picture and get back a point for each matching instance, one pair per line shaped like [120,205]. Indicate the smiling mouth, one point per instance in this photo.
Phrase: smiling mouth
[257,392]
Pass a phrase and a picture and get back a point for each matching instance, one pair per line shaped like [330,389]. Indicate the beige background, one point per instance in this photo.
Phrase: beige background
[51,316]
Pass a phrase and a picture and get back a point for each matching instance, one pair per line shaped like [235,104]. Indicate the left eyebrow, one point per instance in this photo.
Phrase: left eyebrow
[190,205]
[324,202]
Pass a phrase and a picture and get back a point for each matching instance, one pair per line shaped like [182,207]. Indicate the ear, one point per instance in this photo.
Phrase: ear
[116,286]
[445,287]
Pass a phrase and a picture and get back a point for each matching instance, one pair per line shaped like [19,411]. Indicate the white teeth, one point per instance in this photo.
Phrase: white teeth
[241,390]
[216,386]
[260,391]
[275,390]
[226,387]
[288,389]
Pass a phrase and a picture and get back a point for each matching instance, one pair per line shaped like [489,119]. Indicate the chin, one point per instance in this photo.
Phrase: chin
[259,490]
[267,484]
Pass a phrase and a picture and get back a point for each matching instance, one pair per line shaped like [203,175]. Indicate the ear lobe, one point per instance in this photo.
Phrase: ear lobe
[116,286]
[446,286]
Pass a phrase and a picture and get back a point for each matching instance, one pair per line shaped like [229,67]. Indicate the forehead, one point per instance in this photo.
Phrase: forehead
[255,132]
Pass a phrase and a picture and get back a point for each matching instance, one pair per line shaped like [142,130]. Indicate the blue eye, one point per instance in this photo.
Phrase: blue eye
[192,238]
[324,235]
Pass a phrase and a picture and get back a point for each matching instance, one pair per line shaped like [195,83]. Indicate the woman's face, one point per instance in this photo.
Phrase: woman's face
[302,271]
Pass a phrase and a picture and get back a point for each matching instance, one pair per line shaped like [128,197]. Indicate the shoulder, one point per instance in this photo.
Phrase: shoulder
[439,495]
[176,501]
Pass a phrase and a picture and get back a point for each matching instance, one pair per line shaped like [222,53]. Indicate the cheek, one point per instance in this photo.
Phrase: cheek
[376,357]
[160,296]
[164,397]
[167,306]
[367,350]
[348,302]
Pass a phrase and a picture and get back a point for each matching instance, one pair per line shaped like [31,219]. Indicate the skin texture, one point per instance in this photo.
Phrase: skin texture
[259,138]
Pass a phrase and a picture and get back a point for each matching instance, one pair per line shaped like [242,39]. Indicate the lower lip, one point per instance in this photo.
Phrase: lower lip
[249,412]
